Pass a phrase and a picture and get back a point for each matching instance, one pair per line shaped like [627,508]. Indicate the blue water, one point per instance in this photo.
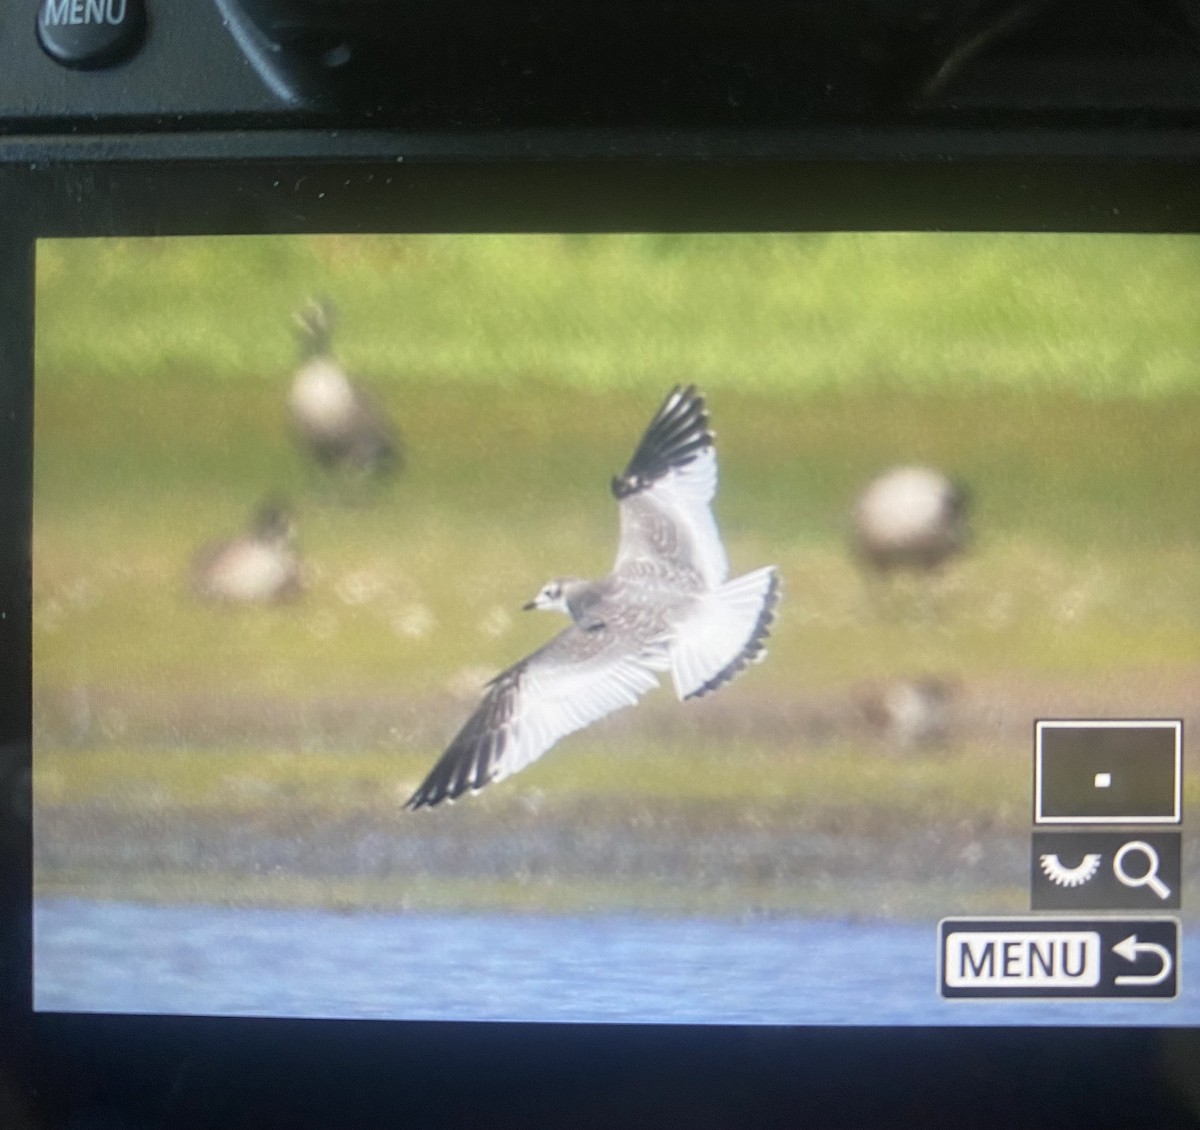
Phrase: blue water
[201,960]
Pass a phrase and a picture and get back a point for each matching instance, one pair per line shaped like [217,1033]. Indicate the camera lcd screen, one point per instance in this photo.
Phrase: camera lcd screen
[861,647]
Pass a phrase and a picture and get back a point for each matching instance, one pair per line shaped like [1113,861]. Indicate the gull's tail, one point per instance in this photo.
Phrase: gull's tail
[725,633]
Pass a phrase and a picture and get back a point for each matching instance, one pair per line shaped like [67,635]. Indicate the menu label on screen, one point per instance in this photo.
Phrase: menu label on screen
[1064,957]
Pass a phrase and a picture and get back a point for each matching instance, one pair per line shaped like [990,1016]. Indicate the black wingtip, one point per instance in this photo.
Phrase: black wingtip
[443,783]
[442,786]
[678,433]
[423,799]
[472,759]
[447,781]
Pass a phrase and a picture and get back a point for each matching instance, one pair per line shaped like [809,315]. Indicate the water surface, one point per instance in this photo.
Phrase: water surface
[204,960]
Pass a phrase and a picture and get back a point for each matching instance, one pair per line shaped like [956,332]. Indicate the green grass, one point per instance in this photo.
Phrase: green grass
[238,780]
[1102,315]
[1087,549]
[912,901]
[917,827]
[735,792]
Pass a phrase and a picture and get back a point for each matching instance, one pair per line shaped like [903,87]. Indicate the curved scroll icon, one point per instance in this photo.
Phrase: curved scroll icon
[1132,951]
[1064,876]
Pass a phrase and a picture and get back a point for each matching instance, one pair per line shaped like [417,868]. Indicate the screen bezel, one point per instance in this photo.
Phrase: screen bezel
[520,1071]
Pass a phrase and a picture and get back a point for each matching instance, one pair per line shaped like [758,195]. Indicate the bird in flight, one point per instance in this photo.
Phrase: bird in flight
[666,606]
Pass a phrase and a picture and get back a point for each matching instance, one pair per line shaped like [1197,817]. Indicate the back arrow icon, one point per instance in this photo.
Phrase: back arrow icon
[1131,949]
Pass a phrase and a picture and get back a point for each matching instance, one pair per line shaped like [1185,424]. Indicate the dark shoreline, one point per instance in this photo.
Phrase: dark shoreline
[682,859]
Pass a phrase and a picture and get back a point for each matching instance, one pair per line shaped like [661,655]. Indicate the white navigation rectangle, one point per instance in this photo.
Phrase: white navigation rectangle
[1023,959]
[1108,771]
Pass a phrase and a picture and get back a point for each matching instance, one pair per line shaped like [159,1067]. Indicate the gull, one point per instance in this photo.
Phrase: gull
[910,517]
[666,606]
[342,426]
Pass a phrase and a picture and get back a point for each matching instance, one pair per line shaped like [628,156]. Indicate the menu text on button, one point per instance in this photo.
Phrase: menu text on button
[1023,959]
[1062,957]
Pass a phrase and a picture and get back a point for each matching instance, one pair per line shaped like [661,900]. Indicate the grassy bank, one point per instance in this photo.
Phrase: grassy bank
[1086,548]
[731,831]
[718,828]
[1099,315]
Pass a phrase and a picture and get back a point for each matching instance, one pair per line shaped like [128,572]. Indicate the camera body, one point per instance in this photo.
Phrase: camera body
[355,118]
[645,71]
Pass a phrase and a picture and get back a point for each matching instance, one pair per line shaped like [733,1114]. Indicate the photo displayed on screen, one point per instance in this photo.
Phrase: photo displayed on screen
[717,628]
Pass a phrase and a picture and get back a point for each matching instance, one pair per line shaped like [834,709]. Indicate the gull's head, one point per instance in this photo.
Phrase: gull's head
[553,595]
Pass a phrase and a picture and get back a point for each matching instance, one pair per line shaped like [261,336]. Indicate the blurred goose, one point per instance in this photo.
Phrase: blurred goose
[340,424]
[666,606]
[257,567]
[910,518]
[909,714]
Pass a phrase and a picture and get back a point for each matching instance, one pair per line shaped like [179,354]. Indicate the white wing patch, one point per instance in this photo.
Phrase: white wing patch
[576,679]
[680,501]
[553,700]
[724,633]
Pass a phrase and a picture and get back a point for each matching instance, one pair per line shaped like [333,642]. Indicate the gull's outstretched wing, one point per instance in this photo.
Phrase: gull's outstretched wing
[577,678]
[667,526]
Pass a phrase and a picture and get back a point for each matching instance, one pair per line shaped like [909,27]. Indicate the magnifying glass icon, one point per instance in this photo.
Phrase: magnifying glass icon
[1149,878]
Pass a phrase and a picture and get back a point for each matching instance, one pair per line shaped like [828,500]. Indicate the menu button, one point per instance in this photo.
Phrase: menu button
[91,33]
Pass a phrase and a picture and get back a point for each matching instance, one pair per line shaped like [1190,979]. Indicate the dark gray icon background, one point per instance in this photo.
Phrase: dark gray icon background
[1104,891]
[1156,931]
[1142,761]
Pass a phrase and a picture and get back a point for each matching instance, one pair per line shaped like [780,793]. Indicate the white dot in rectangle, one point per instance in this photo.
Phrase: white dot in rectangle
[1103,780]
